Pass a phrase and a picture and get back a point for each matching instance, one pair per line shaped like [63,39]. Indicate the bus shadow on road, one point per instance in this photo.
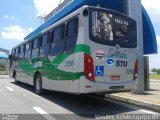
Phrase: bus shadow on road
[86,106]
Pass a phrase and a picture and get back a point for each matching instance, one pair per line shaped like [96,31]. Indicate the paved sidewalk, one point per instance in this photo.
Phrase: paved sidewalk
[150,99]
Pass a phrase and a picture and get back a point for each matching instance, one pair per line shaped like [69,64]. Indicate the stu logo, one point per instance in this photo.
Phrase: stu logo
[110,62]
[120,63]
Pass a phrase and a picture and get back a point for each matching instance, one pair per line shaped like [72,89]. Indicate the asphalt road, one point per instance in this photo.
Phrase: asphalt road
[20,102]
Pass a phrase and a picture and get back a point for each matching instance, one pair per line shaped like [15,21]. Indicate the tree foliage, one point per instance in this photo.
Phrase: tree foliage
[156,71]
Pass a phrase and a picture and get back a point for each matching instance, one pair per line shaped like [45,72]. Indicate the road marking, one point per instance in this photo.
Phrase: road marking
[148,112]
[39,110]
[10,89]
[43,113]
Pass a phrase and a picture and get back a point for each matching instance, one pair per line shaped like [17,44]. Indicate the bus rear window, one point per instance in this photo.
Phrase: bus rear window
[111,28]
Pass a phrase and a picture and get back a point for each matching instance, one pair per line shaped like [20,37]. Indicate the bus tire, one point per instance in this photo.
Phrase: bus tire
[38,84]
[14,73]
[15,78]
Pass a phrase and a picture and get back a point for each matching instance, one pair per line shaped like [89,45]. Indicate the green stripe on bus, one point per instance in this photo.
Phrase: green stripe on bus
[50,70]
[26,66]
[79,48]
[82,48]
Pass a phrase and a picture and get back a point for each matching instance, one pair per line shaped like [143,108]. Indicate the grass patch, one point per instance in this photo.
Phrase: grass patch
[3,73]
[2,70]
[154,76]
[2,67]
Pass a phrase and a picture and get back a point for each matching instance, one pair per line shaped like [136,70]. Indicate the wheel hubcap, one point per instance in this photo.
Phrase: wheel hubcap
[38,85]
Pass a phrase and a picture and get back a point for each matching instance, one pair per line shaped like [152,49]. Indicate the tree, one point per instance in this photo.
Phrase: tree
[158,71]
[154,70]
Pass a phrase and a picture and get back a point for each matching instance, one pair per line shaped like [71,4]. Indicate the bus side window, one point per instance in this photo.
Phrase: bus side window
[13,54]
[44,46]
[72,34]
[28,50]
[35,48]
[52,49]
[17,53]
[21,55]
[58,41]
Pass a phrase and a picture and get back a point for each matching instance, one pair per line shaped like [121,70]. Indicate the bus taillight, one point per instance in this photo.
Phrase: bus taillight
[89,67]
[135,71]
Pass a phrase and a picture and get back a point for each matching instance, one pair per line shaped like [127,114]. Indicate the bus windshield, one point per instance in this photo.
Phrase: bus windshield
[111,28]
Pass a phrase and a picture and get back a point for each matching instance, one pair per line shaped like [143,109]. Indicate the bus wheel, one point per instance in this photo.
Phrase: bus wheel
[15,79]
[38,84]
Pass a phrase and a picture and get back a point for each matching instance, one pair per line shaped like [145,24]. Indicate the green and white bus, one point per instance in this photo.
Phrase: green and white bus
[91,50]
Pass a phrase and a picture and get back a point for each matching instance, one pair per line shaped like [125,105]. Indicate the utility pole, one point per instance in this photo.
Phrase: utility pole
[41,18]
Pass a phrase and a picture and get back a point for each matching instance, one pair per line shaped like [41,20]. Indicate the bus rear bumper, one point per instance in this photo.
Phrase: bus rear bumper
[87,86]
[118,87]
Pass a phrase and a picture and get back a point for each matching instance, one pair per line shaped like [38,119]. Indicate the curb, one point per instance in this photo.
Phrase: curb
[144,104]
[154,80]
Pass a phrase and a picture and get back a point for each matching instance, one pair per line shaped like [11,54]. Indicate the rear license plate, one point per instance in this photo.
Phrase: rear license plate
[115,77]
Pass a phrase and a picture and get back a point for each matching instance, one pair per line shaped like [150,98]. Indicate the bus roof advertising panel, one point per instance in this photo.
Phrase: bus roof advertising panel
[111,28]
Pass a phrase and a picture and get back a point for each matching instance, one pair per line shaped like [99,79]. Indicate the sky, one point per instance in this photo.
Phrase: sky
[20,17]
